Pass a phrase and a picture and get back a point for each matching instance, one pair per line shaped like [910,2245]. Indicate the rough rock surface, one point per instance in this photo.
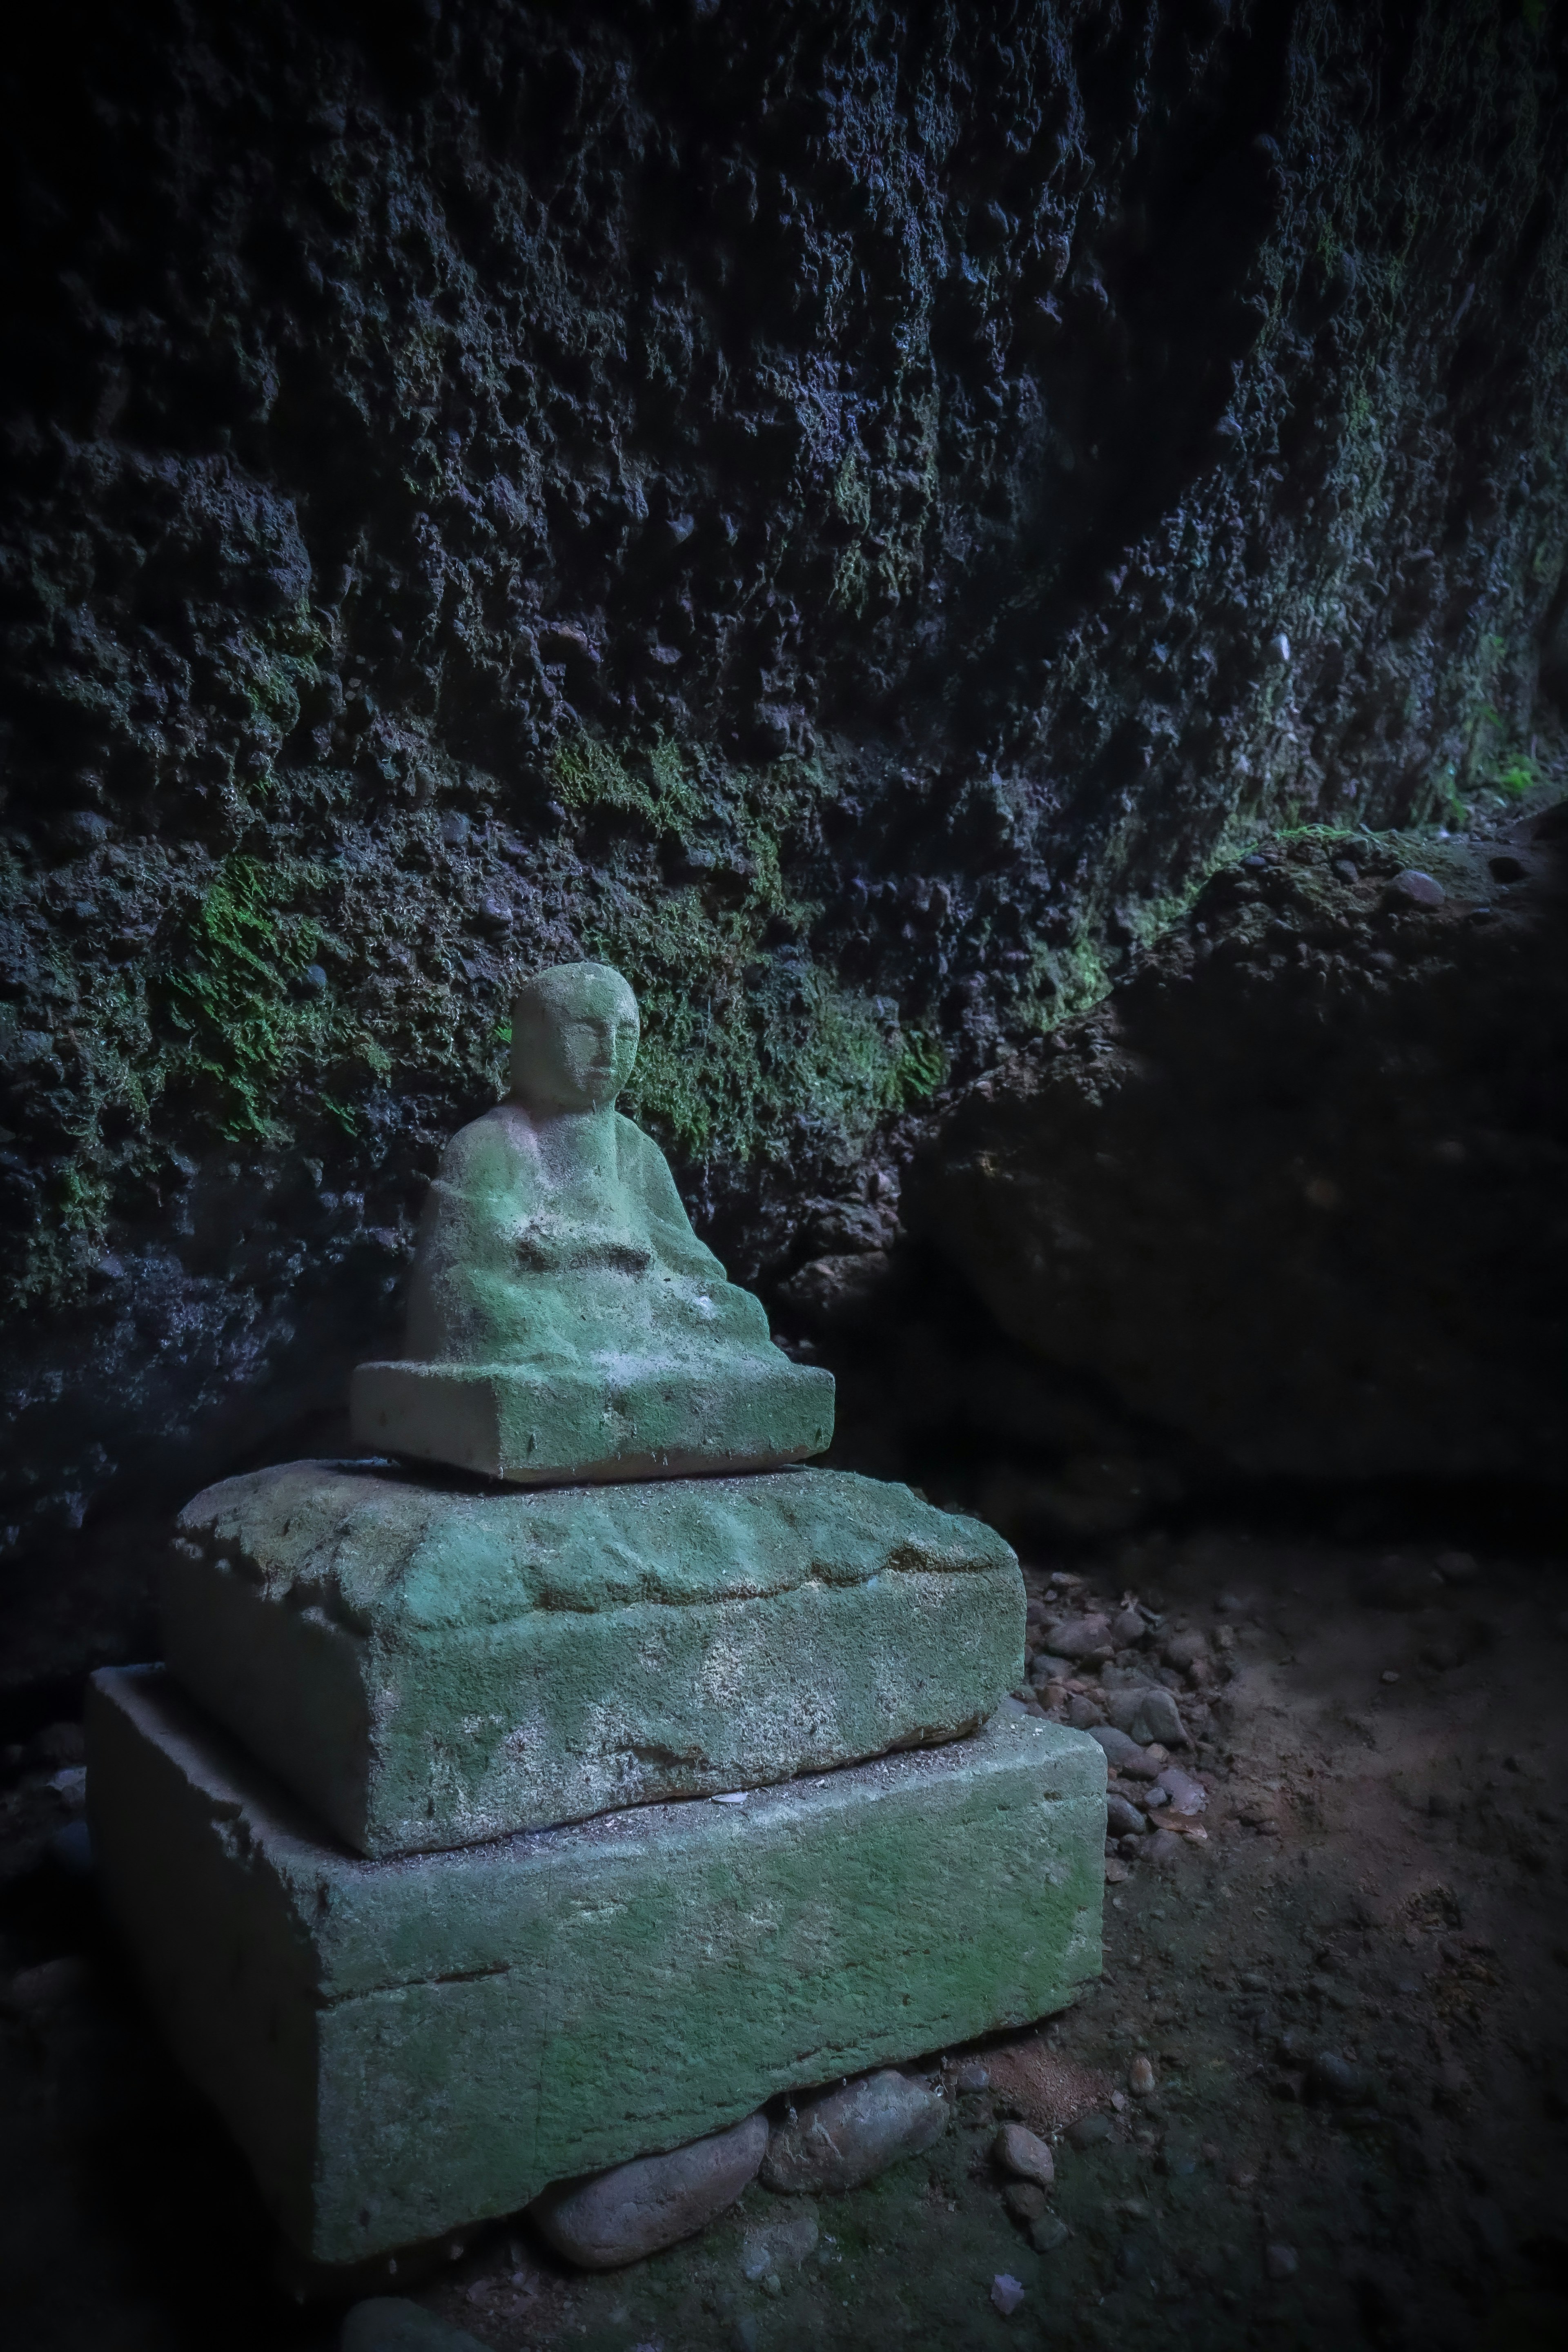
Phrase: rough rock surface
[1025,2156]
[835,2143]
[839,510]
[1295,1194]
[632,2210]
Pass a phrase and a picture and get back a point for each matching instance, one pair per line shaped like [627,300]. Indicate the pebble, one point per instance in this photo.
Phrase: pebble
[1124,1755]
[849,2135]
[1181,1793]
[972,2075]
[1140,2079]
[636,2208]
[1083,1714]
[1127,1627]
[1091,2131]
[1079,1637]
[1116,1872]
[1006,2294]
[1457,1567]
[1123,1818]
[1414,888]
[31,1993]
[1025,2153]
[784,2245]
[1149,1714]
[1048,2234]
[1281,2261]
[390,2323]
[1024,2199]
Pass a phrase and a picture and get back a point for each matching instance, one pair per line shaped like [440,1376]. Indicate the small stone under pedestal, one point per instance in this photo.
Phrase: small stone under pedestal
[404,2047]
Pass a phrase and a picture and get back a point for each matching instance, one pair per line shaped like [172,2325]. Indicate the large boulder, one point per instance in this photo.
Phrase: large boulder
[1298,1192]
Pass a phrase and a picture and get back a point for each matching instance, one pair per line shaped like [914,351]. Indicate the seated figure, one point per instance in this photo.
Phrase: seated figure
[564,1321]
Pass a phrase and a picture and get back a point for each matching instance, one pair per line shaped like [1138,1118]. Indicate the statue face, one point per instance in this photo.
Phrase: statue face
[573,1038]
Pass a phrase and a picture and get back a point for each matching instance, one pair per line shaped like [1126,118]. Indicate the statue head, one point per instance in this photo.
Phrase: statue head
[574,1032]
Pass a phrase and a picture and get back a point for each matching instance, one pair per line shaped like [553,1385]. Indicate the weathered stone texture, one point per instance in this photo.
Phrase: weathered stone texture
[841,510]
[426,1667]
[402,2046]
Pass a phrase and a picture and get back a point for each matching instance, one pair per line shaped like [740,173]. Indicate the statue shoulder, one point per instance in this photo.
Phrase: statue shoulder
[483,1156]
[645,1171]
[635,1148]
[643,1167]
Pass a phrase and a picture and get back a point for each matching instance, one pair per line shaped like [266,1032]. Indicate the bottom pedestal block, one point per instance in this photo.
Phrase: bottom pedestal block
[404,2047]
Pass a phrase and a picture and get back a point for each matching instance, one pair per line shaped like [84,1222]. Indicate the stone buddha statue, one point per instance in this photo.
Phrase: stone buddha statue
[564,1321]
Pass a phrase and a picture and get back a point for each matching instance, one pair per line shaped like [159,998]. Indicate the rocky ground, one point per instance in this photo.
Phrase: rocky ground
[1320,2096]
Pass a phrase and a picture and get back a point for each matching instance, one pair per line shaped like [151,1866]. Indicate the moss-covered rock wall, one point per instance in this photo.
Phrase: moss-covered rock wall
[849,510]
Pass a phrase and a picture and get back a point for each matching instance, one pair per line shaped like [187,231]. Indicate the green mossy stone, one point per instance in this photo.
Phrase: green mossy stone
[425,1666]
[404,2047]
[701,1412]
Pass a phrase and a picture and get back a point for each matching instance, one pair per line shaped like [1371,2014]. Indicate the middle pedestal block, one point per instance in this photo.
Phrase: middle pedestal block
[426,1667]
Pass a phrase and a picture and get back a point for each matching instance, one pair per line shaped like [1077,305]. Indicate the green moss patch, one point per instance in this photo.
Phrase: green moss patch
[244,1021]
[748,1040]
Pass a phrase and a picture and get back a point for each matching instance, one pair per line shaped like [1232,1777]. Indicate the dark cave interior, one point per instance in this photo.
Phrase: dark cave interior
[1008,566]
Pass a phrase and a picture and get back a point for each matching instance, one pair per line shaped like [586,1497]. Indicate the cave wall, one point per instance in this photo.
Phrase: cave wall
[850,511]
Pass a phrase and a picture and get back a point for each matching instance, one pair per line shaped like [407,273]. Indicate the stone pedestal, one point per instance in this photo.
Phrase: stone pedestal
[402,2047]
[425,1666]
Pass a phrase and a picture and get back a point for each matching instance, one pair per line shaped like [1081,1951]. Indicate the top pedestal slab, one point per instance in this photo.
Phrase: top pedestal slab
[428,1667]
[673,1417]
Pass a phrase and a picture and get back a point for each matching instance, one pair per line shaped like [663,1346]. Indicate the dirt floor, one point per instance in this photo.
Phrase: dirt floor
[1350,1992]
